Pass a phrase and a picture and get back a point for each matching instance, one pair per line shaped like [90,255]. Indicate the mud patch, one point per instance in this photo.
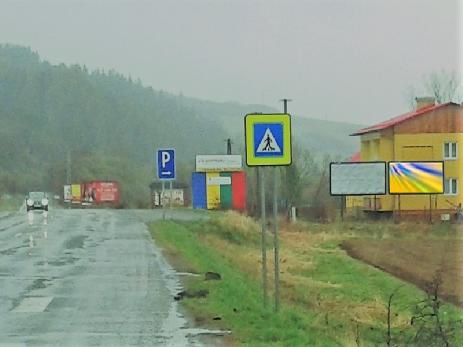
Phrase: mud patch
[39,283]
[416,261]
[63,261]
[10,251]
[75,242]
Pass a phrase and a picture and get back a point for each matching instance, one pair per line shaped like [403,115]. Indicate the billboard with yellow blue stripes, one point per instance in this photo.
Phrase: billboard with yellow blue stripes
[416,177]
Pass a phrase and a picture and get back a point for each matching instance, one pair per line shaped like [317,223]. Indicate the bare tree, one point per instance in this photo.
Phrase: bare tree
[389,315]
[430,325]
[443,86]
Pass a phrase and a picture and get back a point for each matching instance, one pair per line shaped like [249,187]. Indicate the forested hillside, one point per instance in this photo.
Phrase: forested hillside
[107,124]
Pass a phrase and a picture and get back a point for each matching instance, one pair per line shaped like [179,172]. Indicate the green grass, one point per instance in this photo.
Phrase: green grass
[250,324]
[359,284]
[10,202]
[346,301]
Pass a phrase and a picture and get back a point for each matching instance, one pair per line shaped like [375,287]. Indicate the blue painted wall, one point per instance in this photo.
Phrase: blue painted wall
[198,190]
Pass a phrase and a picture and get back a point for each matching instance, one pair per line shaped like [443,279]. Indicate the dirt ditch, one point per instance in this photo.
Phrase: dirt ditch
[416,261]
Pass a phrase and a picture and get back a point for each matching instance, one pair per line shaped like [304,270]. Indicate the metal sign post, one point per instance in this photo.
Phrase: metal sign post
[263,236]
[268,143]
[166,172]
[170,197]
[162,200]
[275,239]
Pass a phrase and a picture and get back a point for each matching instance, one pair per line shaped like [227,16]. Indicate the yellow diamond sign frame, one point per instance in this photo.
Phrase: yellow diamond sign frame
[268,139]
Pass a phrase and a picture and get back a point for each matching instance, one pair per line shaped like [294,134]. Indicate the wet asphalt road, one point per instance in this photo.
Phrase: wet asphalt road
[87,278]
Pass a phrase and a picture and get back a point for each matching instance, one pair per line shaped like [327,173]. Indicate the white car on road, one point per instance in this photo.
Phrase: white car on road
[36,201]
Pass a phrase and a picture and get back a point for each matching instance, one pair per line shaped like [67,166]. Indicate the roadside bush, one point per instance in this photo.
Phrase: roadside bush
[232,226]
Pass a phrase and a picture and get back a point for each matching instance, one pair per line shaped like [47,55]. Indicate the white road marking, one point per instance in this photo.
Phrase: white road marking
[30,217]
[33,304]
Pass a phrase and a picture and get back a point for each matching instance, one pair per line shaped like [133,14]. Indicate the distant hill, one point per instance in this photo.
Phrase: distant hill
[326,137]
[319,136]
[110,126]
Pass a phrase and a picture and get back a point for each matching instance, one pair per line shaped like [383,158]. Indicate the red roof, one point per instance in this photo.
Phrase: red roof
[355,158]
[402,118]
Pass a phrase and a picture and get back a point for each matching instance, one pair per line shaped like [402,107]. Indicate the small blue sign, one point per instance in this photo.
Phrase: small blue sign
[166,164]
[268,140]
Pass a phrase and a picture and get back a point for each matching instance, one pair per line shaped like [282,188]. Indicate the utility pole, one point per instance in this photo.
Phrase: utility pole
[229,147]
[276,242]
[68,168]
[285,110]
[285,104]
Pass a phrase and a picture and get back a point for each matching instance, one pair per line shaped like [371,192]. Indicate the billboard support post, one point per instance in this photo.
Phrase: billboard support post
[400,210]
[342,208]
[263,242]
[430,209]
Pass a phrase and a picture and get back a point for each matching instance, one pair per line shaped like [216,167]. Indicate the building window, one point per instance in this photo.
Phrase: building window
[451,186]
[450,150]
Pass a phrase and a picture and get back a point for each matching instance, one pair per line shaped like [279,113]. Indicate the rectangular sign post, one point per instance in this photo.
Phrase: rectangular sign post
[268,139]
[166,164]
[67,195]
[218,163]
[166,172]
[421,177]
[357,178]
[268,143]
[417,178]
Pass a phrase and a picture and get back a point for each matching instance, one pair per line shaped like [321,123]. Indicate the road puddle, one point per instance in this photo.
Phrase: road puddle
[187,274]
[75,242]
[177,328]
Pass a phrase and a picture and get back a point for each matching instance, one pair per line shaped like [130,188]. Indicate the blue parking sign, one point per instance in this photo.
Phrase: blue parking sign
[166,164]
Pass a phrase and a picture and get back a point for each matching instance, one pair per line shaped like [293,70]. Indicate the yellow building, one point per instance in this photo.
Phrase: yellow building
[431,132]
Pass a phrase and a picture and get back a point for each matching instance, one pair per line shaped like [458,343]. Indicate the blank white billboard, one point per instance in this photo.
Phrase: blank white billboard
[361,178]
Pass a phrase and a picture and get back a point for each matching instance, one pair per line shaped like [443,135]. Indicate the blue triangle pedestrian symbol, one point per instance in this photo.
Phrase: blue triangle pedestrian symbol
[268,144]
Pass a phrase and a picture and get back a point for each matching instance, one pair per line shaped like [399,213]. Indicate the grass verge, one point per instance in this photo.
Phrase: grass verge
[10,203]
[328,298]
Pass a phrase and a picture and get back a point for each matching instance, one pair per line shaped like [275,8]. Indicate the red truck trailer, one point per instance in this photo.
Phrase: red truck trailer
[101,193]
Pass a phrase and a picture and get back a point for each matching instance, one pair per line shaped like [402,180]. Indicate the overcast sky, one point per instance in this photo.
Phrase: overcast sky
[354,60]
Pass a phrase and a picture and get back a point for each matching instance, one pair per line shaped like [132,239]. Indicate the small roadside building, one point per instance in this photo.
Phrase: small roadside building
[431,132]
[179,196]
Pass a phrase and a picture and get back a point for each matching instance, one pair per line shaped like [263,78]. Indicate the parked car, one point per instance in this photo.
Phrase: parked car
[37,201]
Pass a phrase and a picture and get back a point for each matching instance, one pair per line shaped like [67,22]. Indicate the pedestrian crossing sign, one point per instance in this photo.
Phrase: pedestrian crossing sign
[268,139]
